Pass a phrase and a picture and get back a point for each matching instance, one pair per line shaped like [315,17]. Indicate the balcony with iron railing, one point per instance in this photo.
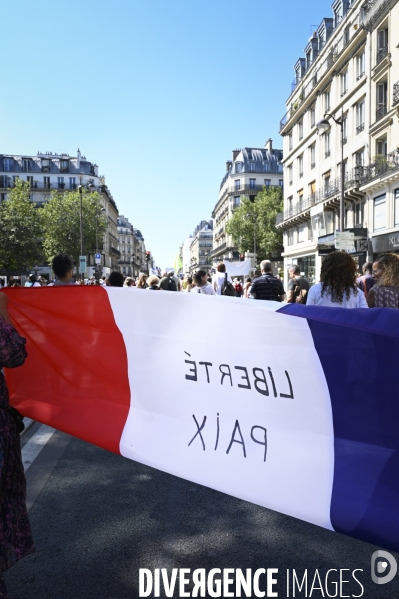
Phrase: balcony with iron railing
[380,112]
[356,178]
[381,53]
[395,94]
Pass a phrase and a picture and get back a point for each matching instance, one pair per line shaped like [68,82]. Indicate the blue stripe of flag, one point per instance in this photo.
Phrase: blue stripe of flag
[359,353]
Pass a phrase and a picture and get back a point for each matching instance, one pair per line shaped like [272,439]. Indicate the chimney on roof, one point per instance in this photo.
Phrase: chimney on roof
[269,145]
[78,160]
[228,165]
[235,154]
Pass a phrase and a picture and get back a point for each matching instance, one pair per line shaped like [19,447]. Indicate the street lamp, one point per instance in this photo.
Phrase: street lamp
[323,126]
[90,187]
[97,269]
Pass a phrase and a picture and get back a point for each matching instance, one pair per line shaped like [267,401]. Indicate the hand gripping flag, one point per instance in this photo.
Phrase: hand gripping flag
[300,413]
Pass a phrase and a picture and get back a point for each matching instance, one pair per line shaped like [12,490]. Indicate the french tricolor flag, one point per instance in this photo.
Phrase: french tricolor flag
[294,408]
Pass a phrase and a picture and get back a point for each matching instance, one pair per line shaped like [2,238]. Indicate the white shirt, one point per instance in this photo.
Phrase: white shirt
[314,298]
[218,279]
[206,289]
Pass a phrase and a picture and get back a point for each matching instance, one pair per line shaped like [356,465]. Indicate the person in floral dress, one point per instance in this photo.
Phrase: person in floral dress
[15,533]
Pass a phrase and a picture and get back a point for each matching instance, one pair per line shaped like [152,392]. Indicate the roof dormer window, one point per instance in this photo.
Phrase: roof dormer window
[239,166]
[45,163]
[64,166]
[8,164]
[252,166]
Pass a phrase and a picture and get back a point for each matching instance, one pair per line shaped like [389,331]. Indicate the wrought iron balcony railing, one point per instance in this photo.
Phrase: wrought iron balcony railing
[380,112]
[395,95]
[381,53]
[357,177]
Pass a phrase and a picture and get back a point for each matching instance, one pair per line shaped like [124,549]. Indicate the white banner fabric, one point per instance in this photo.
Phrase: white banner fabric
[238,269]
[250,418]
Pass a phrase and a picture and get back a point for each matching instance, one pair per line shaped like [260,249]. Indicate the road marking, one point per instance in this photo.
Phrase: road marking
[34,446]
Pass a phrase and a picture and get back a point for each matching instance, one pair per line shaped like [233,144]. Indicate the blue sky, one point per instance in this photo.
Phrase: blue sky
[157,92]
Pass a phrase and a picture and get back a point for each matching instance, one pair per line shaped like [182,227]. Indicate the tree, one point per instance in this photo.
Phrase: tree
[61,224]
[258,216]
[20,230]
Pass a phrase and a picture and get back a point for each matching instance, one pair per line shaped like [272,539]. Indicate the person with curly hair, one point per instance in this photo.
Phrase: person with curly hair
[385,293]
[337,287]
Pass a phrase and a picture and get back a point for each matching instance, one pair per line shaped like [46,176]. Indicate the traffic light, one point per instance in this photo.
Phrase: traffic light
[147,256]
[242,256]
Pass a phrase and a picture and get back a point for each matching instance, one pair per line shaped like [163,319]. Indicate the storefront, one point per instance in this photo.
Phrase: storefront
[307,264]
[385,243]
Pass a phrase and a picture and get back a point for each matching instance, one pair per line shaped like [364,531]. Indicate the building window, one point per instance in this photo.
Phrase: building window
[64,166]
[237,184]
[327,101]
[8,164]
[302,232]
[359,158]
[281,182]
[291,236]
[252,183]
[360,64]
[327,148]
[312,156]
[26,165]
[300,166]
[312,189]
[236,201]
[290,140]
[267,167]
[381,147]
[313,116]
[359,214]
[382,44]
[252,166]
[382,89]
[396,192]
[345,129]
[380,212]
[45,165]
[344,83]
[267,182]
[15,178]
[72,182]
[326,181]
[238,167]
[29,179]
[300,129]
[290,179]
[360,116]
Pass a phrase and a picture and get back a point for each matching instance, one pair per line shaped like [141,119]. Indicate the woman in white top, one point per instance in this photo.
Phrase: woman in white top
[337,287]
[218,278]
[201,280]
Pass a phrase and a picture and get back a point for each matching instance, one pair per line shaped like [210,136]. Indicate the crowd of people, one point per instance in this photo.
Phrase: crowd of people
[341,285]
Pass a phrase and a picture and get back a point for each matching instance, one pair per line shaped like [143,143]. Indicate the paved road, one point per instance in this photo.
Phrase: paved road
[97,518]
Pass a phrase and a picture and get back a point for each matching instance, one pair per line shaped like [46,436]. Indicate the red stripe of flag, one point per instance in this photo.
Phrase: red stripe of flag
[75,377]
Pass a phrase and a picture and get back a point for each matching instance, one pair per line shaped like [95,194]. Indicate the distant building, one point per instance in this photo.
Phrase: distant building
[201,247]
[47,172]
[127,246]
[250,170]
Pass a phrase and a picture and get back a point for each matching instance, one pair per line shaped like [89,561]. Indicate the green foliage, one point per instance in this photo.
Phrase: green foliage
[20,230]
[268,203]
[61,223]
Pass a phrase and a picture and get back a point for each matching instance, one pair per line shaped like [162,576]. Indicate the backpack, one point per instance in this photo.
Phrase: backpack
[238,287]
[300,295]
[227,287]
[172,284]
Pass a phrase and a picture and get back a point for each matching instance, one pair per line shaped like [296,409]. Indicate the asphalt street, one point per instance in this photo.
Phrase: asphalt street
[98,518]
